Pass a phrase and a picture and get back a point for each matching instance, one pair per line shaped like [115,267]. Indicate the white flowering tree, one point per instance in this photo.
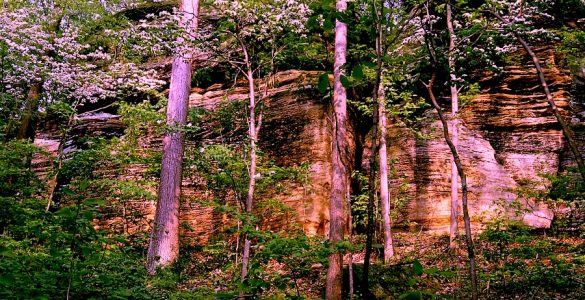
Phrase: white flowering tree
[46,62]
[45,59]
[249,35]
[522,21]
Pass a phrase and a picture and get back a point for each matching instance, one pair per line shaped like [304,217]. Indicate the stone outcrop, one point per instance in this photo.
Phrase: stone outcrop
[296,129]
[508,137]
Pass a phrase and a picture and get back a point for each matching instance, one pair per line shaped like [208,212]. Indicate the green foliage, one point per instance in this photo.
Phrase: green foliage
[529,264]
[141,119]
[359,202]
[472,91]
[16,178]
[59,112]
[54,255]
[565,187]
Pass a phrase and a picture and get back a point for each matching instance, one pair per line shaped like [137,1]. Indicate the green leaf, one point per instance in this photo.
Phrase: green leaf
[357,73]
[369,64]
[86,251]
[328,24]
[345,82]
[68,191]
[323,82]
[94,201]
[4,251]
[447,274]
[412,295]
[6,280]
[417,268]
[312,22]
[411,282]
[66,212]
[83,185]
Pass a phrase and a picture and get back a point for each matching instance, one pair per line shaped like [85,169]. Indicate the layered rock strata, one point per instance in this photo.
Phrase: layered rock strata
[508,137]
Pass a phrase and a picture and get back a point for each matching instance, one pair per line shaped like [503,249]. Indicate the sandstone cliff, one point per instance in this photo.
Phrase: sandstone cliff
[508,138]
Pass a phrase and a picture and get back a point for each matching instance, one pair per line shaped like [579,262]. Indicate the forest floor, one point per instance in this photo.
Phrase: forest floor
[516,263]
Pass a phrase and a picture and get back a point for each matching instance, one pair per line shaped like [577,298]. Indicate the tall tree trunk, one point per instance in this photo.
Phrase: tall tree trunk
[350,236]
[457,160]
[567,132]
[371,195]
[384,194]
[58,180]
[253,135]
[372,177]
[164,243]
[382,151]
[29,117]
[339,180]
[454,129]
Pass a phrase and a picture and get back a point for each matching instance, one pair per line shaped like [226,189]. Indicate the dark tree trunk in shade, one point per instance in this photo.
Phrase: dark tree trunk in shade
[454,129]
[164,243]
[372,180]
[28,120]
[464,191]
[350,237]
[429,43]
[339,180]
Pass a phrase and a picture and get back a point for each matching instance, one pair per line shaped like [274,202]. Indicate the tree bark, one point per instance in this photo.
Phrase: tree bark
[372,177]
[384,193]
[464,192]
[371,194]
[28,121]
[29,117]
[164,243]
[382,150]
[349,236]
[567,132]
[454,129]
[253,135]
[58,181]
[339,180]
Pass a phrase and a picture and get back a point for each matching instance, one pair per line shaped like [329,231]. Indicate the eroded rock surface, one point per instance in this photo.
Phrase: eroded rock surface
[508,137]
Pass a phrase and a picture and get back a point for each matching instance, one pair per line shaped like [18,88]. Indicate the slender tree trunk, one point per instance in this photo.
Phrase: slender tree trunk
[29,117]
[253,135]
[372,177]
[457,160]
[384,194]
[339,180]
[454,130]
[567,132]
[371,199]
[57,181]
[164,243]
[382,151]
[350,235]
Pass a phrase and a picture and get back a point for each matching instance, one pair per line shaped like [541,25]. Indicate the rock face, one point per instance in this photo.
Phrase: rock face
[508,137]
[296,129]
